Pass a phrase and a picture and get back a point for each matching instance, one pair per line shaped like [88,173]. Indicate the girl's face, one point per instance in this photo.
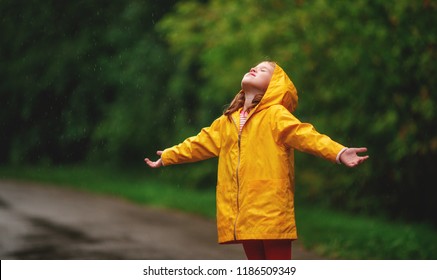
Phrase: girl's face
[258,77]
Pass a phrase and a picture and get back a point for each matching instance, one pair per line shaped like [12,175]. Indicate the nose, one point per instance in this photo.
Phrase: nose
[252,70]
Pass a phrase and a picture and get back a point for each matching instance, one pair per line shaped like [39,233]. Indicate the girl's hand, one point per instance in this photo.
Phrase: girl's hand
[350,158]
[154,164]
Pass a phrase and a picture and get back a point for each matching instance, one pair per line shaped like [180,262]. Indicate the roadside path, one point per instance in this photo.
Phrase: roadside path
[45,222]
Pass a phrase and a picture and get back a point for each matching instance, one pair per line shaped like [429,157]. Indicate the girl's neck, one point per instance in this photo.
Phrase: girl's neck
[248,97]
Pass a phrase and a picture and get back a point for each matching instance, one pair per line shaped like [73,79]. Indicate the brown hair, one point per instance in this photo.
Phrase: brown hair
[239,99]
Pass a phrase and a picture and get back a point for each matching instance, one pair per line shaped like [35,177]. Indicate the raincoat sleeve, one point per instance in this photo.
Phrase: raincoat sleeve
[203,146]
[289,131]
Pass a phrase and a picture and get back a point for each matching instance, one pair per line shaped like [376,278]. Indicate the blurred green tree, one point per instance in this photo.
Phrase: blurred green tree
[81,80]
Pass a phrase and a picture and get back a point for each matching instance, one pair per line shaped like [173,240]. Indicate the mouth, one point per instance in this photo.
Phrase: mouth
[252,74]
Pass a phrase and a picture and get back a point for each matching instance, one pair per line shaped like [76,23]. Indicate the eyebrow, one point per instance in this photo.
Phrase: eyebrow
[261,67]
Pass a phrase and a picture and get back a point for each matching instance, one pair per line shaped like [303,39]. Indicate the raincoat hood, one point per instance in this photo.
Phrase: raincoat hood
[281,91]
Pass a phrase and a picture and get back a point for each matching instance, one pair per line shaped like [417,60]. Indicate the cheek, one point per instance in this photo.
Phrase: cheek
[266,82]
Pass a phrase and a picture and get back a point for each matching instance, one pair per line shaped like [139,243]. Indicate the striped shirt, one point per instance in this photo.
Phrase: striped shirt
[243,118]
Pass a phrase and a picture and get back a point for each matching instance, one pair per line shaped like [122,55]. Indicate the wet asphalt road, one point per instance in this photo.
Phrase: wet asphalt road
[45,222]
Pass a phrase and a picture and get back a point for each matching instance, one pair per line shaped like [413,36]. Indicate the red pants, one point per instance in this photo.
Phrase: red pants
[278,249]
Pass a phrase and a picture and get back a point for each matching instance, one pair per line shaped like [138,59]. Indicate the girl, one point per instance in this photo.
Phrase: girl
[255,139]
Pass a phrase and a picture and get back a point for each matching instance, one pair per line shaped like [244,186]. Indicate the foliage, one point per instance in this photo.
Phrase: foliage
[342,236]
[81,80]
[366,75]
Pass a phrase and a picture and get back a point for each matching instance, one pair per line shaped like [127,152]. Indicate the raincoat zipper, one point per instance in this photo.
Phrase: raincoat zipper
[238,179]
[238,166]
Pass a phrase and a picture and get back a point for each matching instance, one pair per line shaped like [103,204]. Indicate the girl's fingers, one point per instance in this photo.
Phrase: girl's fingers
[148,161]
[153,164]
[360,150]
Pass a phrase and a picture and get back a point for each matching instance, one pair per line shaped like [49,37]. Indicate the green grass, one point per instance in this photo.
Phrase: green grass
[345,236]
[329,233]
[136,186]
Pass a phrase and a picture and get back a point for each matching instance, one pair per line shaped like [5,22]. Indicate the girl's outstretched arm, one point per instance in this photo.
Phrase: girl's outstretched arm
[154,164]
[350,158]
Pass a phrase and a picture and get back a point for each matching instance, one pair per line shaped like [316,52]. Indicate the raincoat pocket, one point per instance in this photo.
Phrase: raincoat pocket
[266,206]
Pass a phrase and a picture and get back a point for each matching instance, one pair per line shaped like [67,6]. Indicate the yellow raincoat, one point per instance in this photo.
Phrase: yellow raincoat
[255,185]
